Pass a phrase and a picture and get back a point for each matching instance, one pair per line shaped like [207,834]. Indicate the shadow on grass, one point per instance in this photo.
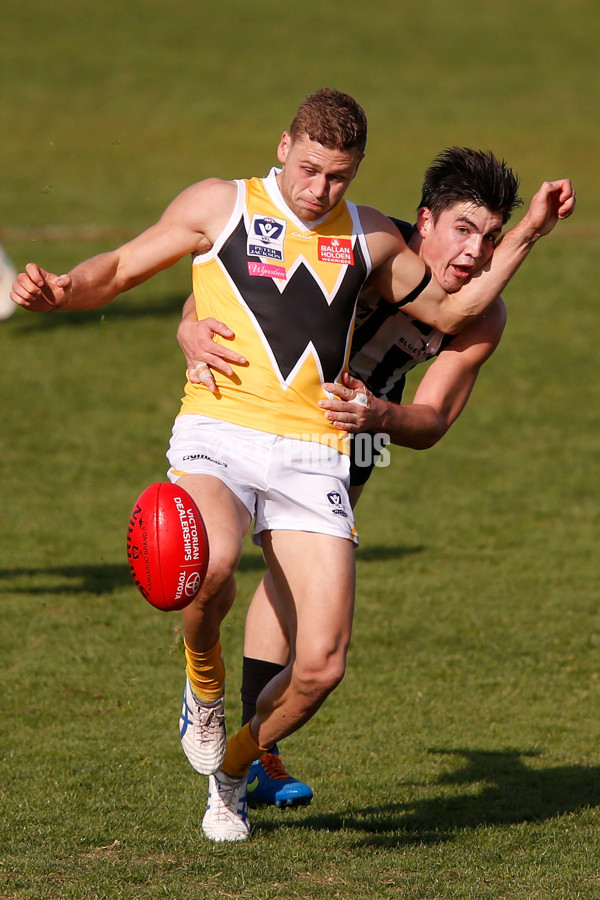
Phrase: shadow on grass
[381,552]
[503,791]
[153,307]
[101,579]
[105,578]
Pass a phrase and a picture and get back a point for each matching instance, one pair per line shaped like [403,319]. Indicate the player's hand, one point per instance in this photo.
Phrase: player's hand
[41,291]
[555,200]
[202,353]
[353,407]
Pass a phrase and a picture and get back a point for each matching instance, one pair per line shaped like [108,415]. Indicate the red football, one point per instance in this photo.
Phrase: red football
[167,546]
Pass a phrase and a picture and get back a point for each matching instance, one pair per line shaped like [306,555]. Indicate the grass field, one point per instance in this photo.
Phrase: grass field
[460,756]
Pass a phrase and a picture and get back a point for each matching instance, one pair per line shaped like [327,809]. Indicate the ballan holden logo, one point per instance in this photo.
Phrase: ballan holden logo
[336,250]
[336,503]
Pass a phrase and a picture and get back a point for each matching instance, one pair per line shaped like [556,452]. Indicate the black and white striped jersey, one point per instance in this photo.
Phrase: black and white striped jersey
[387,343]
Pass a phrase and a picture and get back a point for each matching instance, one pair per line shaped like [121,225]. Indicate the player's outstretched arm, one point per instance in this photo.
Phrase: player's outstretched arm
[38,290]
[101,278]
[198,340]
[190,224]
[554,200]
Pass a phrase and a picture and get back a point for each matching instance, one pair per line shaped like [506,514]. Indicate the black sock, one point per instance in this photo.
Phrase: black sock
[256,673]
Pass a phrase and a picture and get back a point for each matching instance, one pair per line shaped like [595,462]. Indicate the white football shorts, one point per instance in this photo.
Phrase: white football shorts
[286,484]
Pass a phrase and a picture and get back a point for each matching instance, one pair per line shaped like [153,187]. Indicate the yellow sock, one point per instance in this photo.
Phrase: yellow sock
[206,672]
[241,752]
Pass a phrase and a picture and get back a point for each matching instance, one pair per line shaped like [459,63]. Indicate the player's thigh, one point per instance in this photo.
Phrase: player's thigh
[315,578]
[265,631]
[225,517]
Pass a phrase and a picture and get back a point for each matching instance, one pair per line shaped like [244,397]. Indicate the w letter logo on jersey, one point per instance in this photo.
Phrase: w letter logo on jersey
[299,317]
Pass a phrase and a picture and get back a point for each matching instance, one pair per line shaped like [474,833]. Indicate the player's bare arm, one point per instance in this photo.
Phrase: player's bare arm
[450,312]
[190,224]
[397,270]
[440,398]
[202,344]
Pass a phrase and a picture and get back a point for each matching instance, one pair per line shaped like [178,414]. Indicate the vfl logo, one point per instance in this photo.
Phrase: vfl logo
[335,501]
[268,229]
[265,238]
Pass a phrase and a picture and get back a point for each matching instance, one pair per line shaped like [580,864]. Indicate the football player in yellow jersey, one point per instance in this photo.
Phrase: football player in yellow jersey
[467,197]
[319,156]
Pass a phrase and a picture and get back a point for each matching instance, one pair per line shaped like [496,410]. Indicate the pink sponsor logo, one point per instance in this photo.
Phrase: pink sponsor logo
[266,270]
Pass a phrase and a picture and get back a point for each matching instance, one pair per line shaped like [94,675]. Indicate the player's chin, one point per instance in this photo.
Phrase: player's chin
[312,211]
[311,215]
[455,281]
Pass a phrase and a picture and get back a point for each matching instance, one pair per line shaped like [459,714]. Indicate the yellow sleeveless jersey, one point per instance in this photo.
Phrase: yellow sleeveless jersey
[288,291]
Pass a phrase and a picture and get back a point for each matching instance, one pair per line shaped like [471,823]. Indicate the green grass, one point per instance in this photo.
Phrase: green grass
[459,758]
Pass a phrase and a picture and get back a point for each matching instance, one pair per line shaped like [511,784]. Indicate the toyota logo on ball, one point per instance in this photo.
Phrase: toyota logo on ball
[192,585]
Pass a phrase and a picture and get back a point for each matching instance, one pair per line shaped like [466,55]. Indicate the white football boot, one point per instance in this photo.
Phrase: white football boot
[202,730]
[226,816]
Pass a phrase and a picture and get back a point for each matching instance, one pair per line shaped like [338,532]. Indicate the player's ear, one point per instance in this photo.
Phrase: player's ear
[424,220]
[360,159]
[284,147]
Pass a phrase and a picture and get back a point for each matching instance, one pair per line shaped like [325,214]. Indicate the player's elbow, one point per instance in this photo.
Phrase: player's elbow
[426,438]
[452,321]
[424,442]
[418,426]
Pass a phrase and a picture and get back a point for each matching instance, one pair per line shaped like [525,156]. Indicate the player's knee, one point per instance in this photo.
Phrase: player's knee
[319,678]
[219,585]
